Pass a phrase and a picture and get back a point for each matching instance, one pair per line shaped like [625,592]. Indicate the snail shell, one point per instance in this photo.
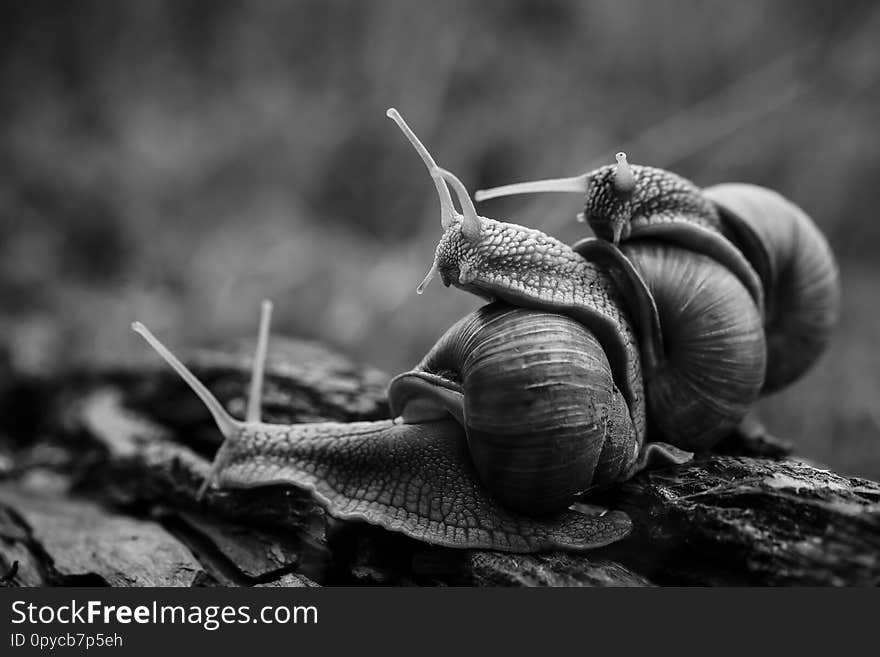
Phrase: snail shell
[798,271]
[543,418]
[714,353]
[703,349]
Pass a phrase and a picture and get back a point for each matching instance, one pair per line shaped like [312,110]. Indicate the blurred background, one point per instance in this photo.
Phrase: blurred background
[177,161]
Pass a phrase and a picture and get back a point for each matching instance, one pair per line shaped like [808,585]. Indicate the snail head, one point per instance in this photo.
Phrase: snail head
[609,207]
[608,191]
[476,253]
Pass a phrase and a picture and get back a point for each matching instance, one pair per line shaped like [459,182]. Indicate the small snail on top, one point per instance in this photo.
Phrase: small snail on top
[768,242]
[528,402]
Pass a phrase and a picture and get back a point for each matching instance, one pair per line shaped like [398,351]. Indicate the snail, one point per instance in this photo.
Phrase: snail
[771,245]
[519,409]
[475,457]
[701,351]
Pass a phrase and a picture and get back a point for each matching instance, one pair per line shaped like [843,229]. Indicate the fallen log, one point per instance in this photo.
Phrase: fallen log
[132,447]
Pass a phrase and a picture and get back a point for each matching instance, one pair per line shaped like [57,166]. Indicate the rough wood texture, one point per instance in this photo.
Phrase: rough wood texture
[101,473]
[738,520]
[499,569]
[85,544]
[258,555]
[291,580]
[18,564]
[304,382]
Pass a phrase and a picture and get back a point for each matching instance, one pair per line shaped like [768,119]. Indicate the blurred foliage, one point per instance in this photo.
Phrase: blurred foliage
[176,161]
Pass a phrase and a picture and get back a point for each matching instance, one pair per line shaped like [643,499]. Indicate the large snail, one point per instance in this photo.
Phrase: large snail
[422,475]
[530,401]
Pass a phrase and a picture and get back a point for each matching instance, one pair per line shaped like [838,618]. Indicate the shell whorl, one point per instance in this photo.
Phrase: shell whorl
[714,359]
[543,418]
[798,271]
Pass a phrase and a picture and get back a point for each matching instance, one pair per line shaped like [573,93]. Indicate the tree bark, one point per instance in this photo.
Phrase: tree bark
[100,471]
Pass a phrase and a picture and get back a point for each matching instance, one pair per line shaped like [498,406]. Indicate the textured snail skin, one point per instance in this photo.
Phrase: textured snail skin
[415,479]
[658,197]
[664,205]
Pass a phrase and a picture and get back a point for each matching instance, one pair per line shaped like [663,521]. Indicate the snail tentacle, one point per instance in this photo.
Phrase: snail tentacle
[573,185]
[228,426]
[255,396]
[447,209]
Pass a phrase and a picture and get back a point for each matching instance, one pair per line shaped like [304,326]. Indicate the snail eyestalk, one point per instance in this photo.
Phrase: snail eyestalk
[228,426]
[574,185]
[428,278]
[470,220]
[624,180]
[255,397]
[447,210]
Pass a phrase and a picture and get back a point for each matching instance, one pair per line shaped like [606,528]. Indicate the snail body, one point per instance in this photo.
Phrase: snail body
[769,243]
[508,419]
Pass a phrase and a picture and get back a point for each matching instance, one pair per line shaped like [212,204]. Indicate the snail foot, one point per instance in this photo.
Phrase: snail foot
[657,455]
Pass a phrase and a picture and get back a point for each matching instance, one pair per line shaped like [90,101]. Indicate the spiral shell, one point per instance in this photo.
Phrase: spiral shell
[798,271]
[714,356]
[543,418]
